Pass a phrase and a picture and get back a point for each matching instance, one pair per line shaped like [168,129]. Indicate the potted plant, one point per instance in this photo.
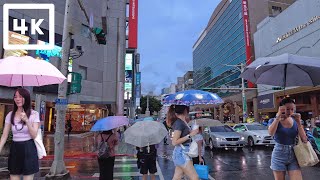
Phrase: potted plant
[6,149]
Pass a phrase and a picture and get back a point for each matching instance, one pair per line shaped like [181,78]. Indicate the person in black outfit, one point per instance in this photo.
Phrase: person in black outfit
[147,157]
[69,127]
[166,137]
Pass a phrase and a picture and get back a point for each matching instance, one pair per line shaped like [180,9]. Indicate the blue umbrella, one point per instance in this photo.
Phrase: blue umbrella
[192,97]
[110,122]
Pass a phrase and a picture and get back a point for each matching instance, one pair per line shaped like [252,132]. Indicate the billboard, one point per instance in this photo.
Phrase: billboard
[133,24]
[266,101]
[247,37]
[17,39]
[128,76]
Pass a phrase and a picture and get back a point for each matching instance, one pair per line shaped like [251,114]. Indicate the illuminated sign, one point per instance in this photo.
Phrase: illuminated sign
[46,54]
[133,24]
[128,62]
[297,29]
[18,39]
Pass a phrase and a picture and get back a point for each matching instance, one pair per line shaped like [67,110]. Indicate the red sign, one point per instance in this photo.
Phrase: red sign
[247,33]
[133,24]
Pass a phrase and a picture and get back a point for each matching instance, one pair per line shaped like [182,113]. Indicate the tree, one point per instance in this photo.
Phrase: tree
[154,104]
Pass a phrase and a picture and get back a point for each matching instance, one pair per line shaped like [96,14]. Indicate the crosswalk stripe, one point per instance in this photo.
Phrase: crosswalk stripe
[125,165]
[125,159]
[5,169]
[159,171]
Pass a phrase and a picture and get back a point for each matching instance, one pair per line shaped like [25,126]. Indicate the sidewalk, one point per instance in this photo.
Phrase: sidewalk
[79,157]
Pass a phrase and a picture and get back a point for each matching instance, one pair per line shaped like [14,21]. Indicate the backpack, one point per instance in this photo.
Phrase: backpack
[103,148]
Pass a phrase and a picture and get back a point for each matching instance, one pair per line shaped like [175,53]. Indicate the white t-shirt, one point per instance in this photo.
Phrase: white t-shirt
[199,137]
[21,132]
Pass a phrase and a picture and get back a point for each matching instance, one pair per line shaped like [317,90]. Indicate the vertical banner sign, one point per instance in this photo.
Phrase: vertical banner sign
[247,33]
[133,24]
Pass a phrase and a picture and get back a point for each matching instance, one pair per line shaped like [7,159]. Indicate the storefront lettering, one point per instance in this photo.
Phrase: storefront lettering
[265,101]
[297,29]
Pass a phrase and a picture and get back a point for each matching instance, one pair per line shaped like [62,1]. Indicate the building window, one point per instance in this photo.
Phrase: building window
[276,10]
[83,72]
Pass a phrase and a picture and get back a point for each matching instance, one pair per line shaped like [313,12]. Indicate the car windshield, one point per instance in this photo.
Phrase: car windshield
[221,129]
[256,127]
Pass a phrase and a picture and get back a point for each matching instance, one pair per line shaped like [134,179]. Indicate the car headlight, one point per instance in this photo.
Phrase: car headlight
[242,138]
[220,139]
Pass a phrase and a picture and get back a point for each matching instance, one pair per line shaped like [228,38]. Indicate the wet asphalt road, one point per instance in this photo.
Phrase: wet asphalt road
[248,164]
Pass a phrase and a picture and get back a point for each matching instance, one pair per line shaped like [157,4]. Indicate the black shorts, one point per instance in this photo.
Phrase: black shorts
[148,163]
[23,158]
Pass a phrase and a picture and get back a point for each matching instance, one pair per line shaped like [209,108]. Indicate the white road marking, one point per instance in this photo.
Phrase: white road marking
[159,171]
[5,169]
[210,177]
[125,165]
[125,159]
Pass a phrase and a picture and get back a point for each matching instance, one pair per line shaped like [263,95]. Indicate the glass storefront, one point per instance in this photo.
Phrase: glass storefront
[223,44]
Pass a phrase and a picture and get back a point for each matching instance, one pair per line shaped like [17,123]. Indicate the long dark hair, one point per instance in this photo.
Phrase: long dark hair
[173,110]
[26,106]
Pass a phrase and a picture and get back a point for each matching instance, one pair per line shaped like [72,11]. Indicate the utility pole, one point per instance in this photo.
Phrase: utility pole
[243,90]
[58,169]
[147,113]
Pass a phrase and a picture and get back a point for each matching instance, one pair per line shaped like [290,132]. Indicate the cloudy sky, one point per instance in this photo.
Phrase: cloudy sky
[166,33]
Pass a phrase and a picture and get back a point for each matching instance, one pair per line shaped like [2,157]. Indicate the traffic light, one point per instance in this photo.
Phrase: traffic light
[277,88]
[75,85]
[101,36]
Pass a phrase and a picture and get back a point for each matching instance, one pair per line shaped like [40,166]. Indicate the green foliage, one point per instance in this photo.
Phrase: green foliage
[9,137]
[154,104]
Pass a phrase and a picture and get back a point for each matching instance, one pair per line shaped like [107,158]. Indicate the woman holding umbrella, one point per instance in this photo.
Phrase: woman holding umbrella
[106,163]
[176,118]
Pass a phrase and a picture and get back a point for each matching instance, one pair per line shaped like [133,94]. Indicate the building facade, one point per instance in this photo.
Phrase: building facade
[188,80]
[294,33]
[180,84]
[102,79]
[225,43]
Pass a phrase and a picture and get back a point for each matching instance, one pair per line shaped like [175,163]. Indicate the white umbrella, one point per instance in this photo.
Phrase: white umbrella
[145,133]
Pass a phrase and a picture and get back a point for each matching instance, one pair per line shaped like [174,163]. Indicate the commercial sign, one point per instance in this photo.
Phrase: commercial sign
[297,29]
[246,25]
[46,54]
[266,101]
[133,24]
[18,39]
[128,76]
[138,78]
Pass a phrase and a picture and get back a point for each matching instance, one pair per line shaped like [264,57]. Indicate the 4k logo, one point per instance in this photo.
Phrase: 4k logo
[34,26]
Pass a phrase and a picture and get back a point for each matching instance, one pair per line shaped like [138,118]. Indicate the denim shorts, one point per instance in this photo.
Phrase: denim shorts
[179,156]
[283,158]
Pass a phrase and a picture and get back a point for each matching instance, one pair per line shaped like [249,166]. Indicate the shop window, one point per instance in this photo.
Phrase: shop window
[276,10]
[83,72]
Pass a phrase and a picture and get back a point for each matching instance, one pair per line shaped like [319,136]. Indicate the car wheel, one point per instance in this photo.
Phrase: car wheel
[250,142]
[211,145]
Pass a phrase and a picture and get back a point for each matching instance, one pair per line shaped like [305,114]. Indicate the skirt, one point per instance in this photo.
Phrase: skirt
[23,158]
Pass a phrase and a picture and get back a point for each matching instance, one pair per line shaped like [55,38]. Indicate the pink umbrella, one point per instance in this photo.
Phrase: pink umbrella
[27,71]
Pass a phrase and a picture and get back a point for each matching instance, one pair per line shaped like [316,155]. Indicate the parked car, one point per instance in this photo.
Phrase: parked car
[255,134]
[223,137]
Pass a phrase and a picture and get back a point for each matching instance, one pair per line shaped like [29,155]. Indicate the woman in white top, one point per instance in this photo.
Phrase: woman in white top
[199,139]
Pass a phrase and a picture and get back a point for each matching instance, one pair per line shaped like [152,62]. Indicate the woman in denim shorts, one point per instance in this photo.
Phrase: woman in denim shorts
[177,119]
[285,127]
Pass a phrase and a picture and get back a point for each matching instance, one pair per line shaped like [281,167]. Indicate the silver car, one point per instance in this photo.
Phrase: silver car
[223,137]
[255,134]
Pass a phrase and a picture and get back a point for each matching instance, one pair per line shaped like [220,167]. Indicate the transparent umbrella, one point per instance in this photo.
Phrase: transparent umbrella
[144,133]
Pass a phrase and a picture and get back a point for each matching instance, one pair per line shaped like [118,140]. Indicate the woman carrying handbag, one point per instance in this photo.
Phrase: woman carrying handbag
[24,123]
[285,127]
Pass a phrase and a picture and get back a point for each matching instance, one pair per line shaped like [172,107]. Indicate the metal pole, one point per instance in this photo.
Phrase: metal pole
[244,99]
[128,104]
[58,168]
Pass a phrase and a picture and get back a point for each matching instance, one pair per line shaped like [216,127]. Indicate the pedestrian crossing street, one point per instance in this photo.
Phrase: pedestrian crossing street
[125,168]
